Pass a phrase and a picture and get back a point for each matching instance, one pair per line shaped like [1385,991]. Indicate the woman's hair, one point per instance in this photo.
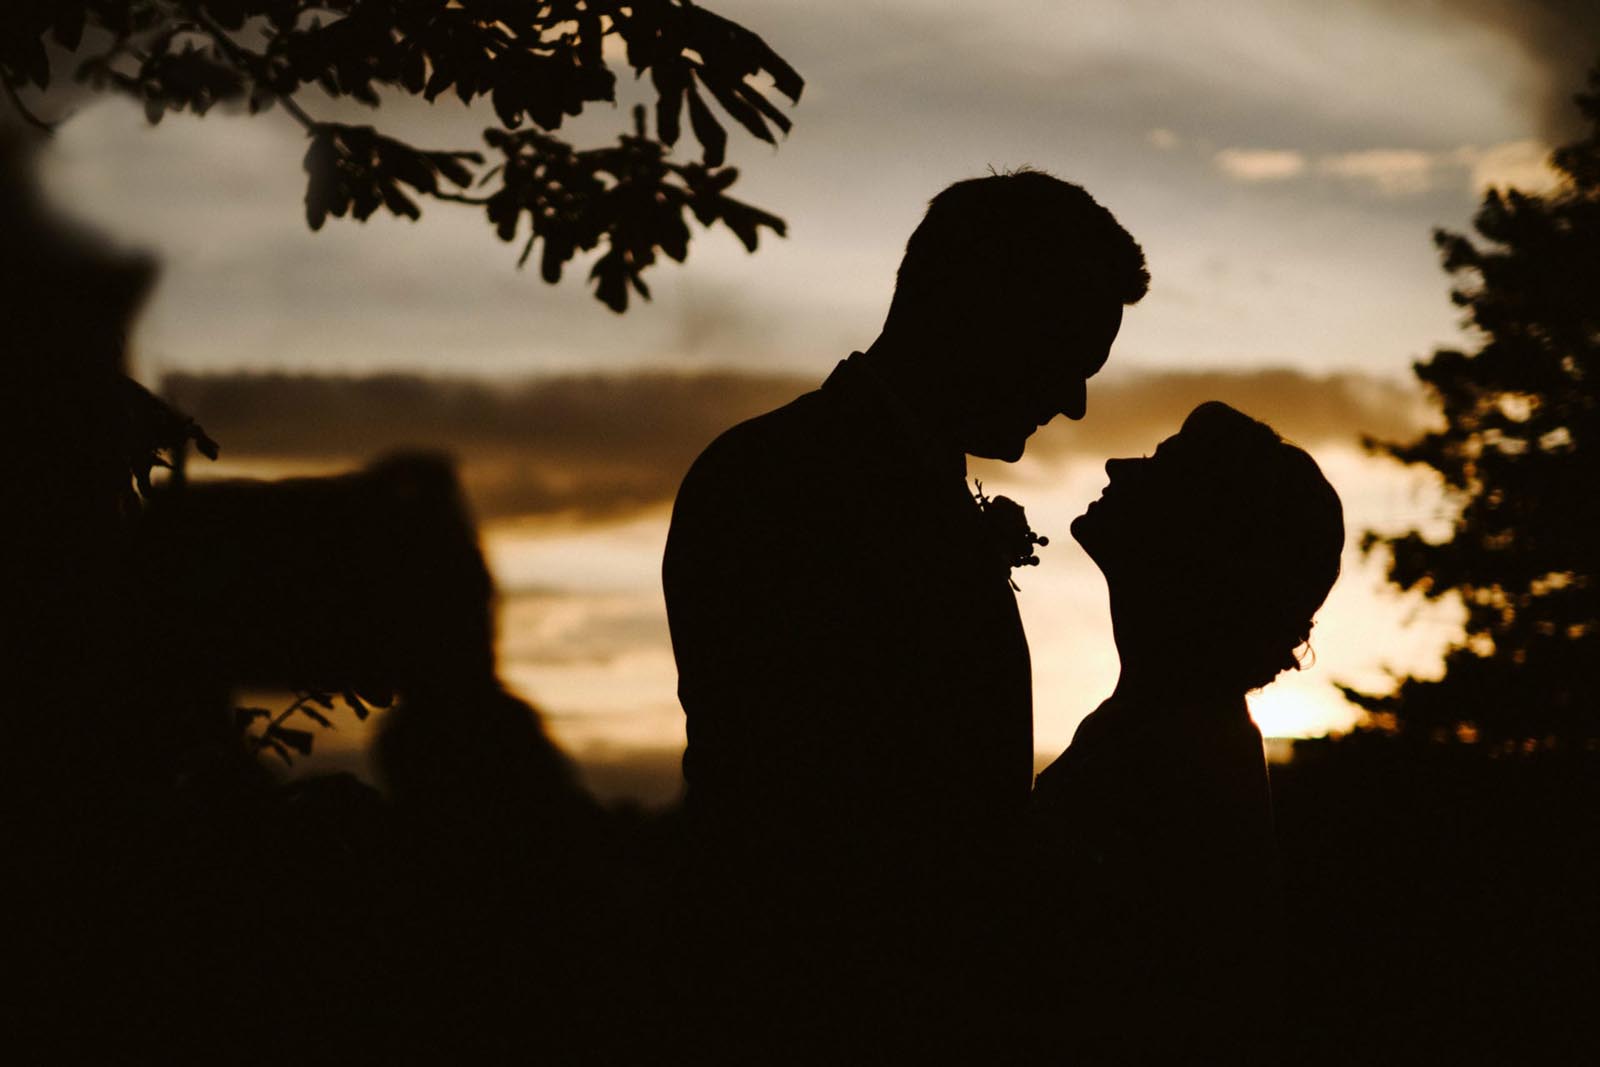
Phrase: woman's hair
[1274,527]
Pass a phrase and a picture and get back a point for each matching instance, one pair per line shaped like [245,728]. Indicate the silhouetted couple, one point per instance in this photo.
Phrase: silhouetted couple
[875,874]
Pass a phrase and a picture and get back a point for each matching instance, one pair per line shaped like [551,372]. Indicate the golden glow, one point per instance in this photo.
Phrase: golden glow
[582,631]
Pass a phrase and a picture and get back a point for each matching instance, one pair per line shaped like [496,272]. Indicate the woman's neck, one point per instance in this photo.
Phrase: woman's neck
[1161,663]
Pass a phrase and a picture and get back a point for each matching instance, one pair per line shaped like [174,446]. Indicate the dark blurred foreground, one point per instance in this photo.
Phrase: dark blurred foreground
[1444,903]
[1441,910]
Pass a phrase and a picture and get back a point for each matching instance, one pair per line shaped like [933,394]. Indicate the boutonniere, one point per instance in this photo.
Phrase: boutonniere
[1007,526]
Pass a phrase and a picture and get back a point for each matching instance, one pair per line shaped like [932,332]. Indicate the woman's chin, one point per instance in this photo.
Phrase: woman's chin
[1094,535]
[1083,527]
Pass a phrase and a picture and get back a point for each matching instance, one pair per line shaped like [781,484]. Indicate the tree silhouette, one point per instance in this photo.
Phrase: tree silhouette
[537,61]
[1521,451]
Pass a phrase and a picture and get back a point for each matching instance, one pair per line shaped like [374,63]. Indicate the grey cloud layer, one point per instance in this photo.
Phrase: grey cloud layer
[902,97]
[1561,37]
[602,446]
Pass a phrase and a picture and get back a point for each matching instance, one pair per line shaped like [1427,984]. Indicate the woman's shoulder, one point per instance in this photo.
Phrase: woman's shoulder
[1176,763]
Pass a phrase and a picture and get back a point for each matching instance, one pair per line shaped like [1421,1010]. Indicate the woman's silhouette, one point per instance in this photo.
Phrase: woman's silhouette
[1154,829]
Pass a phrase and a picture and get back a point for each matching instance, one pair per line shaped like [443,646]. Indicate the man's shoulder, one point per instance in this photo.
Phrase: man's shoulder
[754,490]
[785,440]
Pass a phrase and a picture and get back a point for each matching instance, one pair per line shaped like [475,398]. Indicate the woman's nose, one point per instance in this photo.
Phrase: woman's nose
[1127,471]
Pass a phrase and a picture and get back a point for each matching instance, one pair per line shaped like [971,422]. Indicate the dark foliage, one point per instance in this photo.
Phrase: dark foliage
[1520,450]
[537,63]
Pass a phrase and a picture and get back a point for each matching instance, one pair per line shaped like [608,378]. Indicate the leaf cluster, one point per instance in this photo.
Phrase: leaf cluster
[314,705]
[536,63]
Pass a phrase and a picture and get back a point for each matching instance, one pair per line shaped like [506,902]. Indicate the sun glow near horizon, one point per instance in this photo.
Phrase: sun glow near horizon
[584,635]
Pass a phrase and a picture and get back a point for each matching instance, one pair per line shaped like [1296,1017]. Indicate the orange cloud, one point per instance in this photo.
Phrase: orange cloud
[602,446]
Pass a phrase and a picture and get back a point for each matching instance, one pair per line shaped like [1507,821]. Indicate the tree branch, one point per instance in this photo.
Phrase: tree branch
[246,61]
[456,198]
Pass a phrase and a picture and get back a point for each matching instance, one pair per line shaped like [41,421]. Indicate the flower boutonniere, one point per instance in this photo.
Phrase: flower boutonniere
[1007,526]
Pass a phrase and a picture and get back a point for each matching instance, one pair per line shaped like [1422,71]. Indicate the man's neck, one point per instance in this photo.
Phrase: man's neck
[902,371]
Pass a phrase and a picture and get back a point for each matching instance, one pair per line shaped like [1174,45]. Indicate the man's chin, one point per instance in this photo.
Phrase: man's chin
[1004,451]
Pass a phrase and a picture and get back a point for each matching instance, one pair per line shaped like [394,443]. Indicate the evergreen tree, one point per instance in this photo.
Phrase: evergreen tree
[1520,450]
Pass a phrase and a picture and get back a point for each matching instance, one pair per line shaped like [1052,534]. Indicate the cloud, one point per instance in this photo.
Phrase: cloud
[587,444]
[1401,172]
[604,446]
[1523,165]
[1163,138]
[1131,414]
[1560,37]
[1393,171]
[1260,164]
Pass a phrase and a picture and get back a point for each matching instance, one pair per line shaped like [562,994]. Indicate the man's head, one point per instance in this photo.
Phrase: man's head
[1012,290]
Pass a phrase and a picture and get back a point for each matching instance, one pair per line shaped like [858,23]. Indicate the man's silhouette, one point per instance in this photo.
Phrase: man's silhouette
[851,662]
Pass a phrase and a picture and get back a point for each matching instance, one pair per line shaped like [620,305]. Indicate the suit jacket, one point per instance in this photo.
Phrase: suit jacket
[850,658]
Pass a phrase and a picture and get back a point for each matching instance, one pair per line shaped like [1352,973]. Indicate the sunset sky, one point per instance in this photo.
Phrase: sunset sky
[1282,164]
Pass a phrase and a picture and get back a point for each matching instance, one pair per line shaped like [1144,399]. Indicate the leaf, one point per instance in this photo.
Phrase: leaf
[322,185]
[742,113]
[507,106]
[556,253]
[591,38]
[504,212]
[674,238]
[746,221]
[315,716]
[411,167]
[784,77]
[763,105]
[611,273]
[453,165]
[669,83]
[243,717]
[713,139]
[398,202]
[756,53]
[361,710]
[230,14]
[262,97]
[299,740]
[438,83]
[414,71]
[378,696]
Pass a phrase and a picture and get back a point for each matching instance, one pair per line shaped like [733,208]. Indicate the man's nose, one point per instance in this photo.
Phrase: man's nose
[1075,400]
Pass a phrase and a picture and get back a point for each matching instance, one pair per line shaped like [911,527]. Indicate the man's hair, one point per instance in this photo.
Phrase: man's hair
[1024,232]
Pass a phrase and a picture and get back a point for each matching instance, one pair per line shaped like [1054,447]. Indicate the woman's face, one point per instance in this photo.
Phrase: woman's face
[1167,516]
